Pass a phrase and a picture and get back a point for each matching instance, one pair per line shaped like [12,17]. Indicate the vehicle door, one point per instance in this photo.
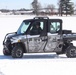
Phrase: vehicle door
[54,42]
[36,41]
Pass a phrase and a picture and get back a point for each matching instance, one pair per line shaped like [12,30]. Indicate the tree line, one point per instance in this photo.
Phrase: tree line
[65,7]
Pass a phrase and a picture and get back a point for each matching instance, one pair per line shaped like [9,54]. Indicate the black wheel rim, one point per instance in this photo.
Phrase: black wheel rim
[73,52]
[19,53]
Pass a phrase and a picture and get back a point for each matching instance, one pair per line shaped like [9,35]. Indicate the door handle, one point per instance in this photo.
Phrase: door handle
[44,39]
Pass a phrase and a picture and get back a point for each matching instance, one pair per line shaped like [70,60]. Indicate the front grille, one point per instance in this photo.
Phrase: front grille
[8,41]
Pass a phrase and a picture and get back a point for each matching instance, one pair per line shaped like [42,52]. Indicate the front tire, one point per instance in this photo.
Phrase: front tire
[6,53]
[17,52]
[71,52]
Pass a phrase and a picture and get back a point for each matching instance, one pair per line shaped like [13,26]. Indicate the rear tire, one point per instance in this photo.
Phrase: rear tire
[71,52]
[17,52]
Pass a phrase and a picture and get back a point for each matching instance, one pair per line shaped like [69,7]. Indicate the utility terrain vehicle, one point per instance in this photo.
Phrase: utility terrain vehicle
[49,38]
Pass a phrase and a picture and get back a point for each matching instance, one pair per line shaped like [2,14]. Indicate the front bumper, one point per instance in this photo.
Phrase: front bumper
[7,46]
[5,49]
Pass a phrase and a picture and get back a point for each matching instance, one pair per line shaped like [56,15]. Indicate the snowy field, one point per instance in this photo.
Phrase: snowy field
[35,64]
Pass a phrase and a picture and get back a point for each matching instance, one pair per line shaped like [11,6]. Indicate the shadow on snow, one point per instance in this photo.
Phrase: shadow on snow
[31,56]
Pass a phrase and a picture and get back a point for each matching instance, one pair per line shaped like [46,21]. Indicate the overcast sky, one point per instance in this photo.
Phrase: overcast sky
[17,4]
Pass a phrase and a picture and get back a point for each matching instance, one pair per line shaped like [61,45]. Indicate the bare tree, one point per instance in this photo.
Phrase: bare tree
[50,9]
[36,6]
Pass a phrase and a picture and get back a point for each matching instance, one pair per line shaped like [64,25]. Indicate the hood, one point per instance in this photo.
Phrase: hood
[15,37]
[11,35]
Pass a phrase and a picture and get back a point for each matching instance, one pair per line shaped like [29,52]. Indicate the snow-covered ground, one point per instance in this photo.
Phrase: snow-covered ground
[35,64]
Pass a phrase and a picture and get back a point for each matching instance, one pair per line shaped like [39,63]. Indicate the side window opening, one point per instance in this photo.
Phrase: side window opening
[54,27]
[37,28]
[41,25]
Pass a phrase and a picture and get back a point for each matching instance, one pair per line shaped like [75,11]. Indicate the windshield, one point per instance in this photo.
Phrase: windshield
[23,27]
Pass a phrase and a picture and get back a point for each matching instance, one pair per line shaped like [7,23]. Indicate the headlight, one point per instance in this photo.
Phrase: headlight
[19,40]
[11,40]
[15,40]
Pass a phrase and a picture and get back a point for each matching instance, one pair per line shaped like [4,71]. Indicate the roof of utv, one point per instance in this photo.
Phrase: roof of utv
[44,18]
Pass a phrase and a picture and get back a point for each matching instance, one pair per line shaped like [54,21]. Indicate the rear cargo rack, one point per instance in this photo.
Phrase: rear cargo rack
[71,36]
